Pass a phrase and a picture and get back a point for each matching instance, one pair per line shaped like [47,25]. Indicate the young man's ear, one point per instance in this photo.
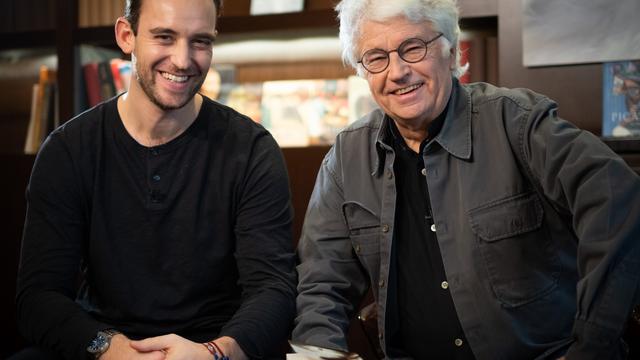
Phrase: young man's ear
[124,35]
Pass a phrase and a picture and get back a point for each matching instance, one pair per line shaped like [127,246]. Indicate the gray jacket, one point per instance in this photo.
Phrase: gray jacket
[526,207]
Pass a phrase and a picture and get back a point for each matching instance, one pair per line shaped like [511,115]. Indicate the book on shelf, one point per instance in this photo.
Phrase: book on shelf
[621,99]
[92,83]
[88,90]
[107,85]
[105,79]
[43,118]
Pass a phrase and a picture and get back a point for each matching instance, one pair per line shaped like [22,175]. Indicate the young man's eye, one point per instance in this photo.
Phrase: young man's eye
[164,38]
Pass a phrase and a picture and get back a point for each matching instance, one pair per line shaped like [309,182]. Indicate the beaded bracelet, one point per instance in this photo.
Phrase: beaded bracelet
[214,349]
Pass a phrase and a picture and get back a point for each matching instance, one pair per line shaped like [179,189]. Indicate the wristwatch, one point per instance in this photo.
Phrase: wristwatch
[100,344]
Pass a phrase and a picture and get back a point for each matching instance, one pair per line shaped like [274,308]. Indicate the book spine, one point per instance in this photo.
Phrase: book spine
[107,87]
[92,83]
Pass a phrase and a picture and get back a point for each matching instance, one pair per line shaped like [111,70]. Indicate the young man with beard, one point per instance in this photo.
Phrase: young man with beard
[175,209]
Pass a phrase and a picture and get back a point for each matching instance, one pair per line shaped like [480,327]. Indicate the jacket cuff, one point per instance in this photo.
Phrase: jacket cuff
[595,342]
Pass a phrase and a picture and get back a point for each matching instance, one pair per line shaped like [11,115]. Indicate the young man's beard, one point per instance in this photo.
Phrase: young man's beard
[147,83]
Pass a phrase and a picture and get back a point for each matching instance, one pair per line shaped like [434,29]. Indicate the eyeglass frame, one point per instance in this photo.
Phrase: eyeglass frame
[388,53]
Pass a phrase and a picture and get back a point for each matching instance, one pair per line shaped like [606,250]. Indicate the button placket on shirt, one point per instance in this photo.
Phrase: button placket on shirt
[155,194]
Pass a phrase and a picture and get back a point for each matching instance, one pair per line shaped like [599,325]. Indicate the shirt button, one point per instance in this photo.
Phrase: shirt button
[424,172]
[381,283]
[458,342]
[380,336]
[445,285]
[433,227]
[358,249]
[156,177]
[154,152]
[385,228]
[389,175]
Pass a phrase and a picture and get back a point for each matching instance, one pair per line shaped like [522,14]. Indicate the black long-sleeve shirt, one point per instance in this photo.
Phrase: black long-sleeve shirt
[421,317]
[191,237]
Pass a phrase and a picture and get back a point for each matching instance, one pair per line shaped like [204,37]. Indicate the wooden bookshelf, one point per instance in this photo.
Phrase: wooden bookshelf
[27,39]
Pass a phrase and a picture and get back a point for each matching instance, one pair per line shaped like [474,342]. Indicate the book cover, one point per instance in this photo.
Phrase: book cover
[621,99]
[125,73]
[118,82]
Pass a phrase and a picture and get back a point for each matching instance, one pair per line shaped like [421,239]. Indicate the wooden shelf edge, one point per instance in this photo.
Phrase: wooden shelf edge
[622,145]
[302,20]
[28,39]
[95,35]
[230,25]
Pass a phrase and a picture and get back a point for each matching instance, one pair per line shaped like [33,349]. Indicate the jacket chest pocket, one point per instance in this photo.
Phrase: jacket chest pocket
[364,232]
[516,248]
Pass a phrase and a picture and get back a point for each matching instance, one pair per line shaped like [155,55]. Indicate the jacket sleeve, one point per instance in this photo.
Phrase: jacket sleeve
[52,247]
[331,280]
[264,254]
[600,195]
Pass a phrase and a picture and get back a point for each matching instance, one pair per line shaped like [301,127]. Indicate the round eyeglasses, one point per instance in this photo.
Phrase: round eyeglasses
[411,50]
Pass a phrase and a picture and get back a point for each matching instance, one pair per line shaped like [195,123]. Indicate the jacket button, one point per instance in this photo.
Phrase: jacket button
[380,336]
[389,175]
[445,285]
[423,171]
[385,228]
[458,342]
[358,249]
[433,227]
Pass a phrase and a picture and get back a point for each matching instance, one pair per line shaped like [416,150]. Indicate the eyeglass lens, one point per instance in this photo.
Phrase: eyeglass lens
[411,50]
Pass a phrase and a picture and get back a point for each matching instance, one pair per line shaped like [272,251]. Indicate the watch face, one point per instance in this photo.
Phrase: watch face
[99,344]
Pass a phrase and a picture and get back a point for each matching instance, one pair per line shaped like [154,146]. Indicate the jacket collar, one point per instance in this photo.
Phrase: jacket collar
[454,137]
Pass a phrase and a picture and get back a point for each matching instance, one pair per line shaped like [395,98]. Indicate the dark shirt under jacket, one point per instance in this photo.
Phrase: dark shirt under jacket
[191,237]
[423,322]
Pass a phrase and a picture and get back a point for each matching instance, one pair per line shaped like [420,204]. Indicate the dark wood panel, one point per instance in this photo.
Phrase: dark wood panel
[302,164]
[14,134]
[478,8]
[12,211]
[67,17]
[576,88]
[322,18]
[27,39]
[242,7]
[292,71]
